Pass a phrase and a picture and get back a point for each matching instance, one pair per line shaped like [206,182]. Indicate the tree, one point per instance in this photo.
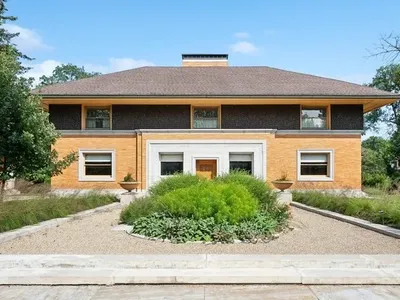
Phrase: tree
[5,36]
[387,78]
[389,47]
[26,134]
[66,73]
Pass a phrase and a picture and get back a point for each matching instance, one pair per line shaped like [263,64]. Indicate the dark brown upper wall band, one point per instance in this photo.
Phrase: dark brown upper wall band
[281,117]
[347,117]
[129,117]
[65,117]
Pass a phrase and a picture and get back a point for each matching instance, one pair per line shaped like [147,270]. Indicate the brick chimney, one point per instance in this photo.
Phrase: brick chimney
[205,60]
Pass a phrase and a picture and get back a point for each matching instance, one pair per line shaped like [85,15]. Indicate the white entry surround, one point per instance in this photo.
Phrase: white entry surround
[204,149]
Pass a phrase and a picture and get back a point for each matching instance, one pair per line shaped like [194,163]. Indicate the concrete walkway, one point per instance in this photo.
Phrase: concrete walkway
[270,292]
[199,269]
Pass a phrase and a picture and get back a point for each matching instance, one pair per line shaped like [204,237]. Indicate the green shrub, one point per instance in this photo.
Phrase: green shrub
[174,182]
[181,230]
[256,186]
[224,202]
[16,214]
[178,230]
[139,208]
[377,180]
[384,210]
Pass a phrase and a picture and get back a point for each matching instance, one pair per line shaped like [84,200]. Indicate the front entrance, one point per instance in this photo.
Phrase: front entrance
[206,168]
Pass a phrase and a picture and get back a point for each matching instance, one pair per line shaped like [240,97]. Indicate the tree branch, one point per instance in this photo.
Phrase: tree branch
[389,48]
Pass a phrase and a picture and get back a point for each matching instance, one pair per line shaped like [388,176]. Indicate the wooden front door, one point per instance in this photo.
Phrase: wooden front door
[206,168]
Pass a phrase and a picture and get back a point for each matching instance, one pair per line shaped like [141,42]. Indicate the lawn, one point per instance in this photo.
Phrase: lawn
[380,208]
[183,208]
[16,214]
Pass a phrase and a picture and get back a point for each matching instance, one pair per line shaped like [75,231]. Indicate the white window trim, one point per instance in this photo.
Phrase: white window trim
[331,170]
[81,168]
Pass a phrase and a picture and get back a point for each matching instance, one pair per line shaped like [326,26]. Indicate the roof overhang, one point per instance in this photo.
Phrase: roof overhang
[369,102]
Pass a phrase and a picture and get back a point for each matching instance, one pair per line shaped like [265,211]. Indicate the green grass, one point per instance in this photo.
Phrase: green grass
[16,214]
[380,208]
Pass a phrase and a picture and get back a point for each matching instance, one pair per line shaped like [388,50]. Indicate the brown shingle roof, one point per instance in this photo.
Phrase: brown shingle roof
[210,81]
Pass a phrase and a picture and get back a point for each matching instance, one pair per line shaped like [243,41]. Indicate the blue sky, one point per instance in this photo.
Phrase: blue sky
[328,38]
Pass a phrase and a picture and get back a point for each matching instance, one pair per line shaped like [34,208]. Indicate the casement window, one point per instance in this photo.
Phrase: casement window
[171,163]
[98,118]
[315,165]
[96,165]
[205,117]
[241,161]
[314,118]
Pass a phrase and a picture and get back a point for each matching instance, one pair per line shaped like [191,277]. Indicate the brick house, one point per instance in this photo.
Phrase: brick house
[209,118]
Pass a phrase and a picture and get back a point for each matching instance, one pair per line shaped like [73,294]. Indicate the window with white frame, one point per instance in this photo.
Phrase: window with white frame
[241,162]
[96,165]
[315,165]
[171,163]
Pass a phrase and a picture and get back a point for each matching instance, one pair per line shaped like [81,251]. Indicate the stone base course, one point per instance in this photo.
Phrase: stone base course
[199,269]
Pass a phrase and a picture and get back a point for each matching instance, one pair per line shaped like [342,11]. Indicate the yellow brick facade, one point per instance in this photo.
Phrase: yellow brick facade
[281,152]
[125,158]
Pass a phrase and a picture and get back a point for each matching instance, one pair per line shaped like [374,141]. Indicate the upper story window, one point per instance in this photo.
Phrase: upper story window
[97,118]
[313,118]
[205,117]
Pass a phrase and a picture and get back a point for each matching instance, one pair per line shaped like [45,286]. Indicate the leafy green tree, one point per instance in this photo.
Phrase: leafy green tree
[64,73]
[374,169]
[26,134]
[387,78]
[5,36]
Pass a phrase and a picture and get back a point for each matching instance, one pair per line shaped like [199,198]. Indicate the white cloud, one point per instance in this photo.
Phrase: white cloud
[244,48]
[118,64]
[44,68]
[242,35]
[28,40]
[114,64]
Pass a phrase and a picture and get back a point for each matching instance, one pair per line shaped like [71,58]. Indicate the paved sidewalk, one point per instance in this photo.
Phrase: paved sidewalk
[199,269]
[270,292]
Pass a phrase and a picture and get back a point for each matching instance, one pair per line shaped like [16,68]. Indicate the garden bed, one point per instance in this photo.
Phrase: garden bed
[16,214]
[187,208]
[382,209]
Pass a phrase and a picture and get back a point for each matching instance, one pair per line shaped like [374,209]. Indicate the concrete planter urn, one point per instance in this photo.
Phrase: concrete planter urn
[282,185]
[129,186]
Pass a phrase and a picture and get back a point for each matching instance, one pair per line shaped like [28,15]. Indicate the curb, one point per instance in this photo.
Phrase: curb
[199,269]
[30,229]
[386,230]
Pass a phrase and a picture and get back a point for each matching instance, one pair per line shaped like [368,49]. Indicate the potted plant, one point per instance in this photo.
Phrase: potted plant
[283,183]
[128,183]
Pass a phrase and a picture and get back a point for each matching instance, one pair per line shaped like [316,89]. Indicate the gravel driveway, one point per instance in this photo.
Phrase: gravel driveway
[313,234]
